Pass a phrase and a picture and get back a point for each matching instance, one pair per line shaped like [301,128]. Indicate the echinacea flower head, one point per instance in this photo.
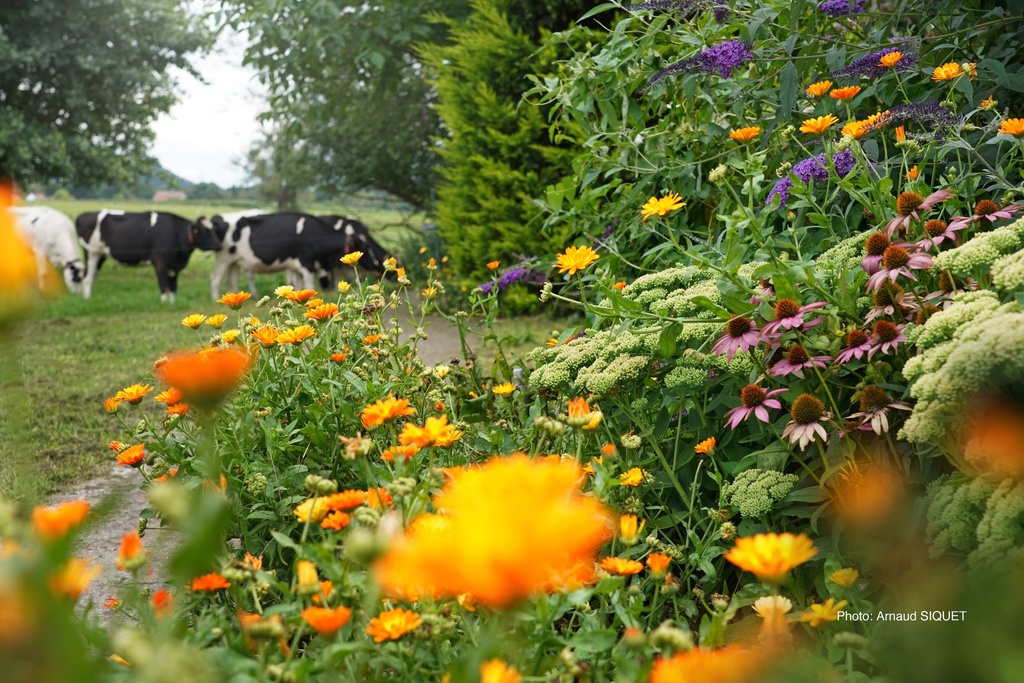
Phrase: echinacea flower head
[131,554]
[502,535]
[789,315]
[741,334]
[771,556]
[908,204]
[215,321]
[321,313]
[380,412]
[658,564]
[193,321]
[52,523]
[806,413]
[899,261]
[845,577]
[352,258]
[503,389]
[818,89]
[74,577]
[845,94]
[575,259]
[1014,127]
[621,566]
[204,377]
[947,72]
[754,400]
[393,624]
[133,394]
[705,446]
[234,300]
[796,361]
[132,456]
[209,583]
[326,621]
[857,345]
[819,124]
[497,671]
[730,664]
[661,207]
[885,337]
[817,614]
[745,134]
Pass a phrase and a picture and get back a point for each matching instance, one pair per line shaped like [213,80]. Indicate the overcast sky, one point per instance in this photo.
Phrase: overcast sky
[210,129]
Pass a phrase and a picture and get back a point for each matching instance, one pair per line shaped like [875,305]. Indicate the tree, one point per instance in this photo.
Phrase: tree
[281,165]
[81,83]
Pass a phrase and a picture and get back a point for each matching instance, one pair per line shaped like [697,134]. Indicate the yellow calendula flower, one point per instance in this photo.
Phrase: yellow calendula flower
[632,477]
[845,577]
[947,72]
[575,259]
[745,134]
[504,389]
[352,258]
[818,89]
[661,207]
[630,529]
[818,125]
[284,290]
[818,613]
[193,321]
[497,671]
[344,286]
[216,321]
[229,336]
[393,624]
[1014,127]
[771,556]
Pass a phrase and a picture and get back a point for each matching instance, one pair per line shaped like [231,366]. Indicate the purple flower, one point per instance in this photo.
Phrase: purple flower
[909,203]
[796,361]
[885,337]
[754,400]
[871,67]
[858,343]
[930,115]
[740,335]
[807,414]
[987,210]
[875,405]
[841,8]
[789,315]
[936,232]
[810,170]
[688,9]
[723,59]
[896,261]
[512,276]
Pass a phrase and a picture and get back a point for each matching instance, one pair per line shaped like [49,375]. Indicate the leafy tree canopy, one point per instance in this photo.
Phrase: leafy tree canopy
[80,84]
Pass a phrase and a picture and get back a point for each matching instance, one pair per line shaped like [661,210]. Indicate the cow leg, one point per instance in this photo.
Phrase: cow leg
[233,277]
[220,266]
[93,263]
[163,279]
[252,282]
[172,281]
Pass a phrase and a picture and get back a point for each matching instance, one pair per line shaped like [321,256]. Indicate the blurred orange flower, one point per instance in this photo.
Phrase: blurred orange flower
[435,432]
[345,500]
[658,564]
[209,583]
[732,664]
[497,671]
[51,523]
[336,521]
[771,556]
[163,603]
[74,577]
[493,265]
[204,377]
[393,624]
[131,555]
[379,412]
[403,453]
[338,357]
[326,621]
[866,494]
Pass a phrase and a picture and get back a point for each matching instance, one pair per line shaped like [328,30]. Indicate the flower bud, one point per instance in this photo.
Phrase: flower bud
[631,441]
[848,639]
[672,638]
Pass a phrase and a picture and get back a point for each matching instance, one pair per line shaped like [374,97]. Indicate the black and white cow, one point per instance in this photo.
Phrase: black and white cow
[359,239]
[228,262]
[52,235]
[164,240]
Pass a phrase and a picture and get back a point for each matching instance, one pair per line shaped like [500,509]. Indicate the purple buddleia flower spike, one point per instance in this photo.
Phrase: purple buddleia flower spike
[841,8]
[930,115]
[813,169]
[723,59]
[871,66]
[687,9]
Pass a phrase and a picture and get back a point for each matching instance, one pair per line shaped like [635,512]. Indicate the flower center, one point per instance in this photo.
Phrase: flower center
[885,331]
[935,227]
[986,207]
[949,283]
[797,355]
[873,399]
[806,409]
[926,312]
[908,202]
[765,283]
[786,308]
[887,295]
[752,396]
[895,257]
[876,244]
[855,338]
[738,326]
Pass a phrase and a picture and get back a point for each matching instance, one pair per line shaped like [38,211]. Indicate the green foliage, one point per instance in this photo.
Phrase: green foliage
[755,492]
[82,85]
[954,510]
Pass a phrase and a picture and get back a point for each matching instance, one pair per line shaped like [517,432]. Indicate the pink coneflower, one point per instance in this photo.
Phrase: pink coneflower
[874,247]
[807,414]
[949,286]
[936,232]
[858,343]
[740,335]
[874,409]
[754,400]
[885,337]
[898,261]
[796,360]
[789,315]
[765,292]
[909,203]
[988,210]
[891,300]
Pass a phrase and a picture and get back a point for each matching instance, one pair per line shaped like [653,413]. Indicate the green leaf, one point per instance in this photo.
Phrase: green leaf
[789,82]
[601,640]
[667,339]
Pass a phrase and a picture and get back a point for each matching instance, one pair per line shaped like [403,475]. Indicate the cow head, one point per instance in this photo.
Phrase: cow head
[202,235]
[359,239]
[216,223]
[74,273]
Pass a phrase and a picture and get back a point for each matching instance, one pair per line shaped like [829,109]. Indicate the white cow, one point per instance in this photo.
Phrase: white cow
[54,239]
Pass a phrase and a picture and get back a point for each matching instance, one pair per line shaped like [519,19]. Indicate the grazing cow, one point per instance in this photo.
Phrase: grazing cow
[359,239]
[52,235]
[162,239]
[227,260]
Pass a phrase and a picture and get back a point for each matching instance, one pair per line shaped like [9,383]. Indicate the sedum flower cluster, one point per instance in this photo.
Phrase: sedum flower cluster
[981,252]
[978,518]
[755,492]
[1008,272]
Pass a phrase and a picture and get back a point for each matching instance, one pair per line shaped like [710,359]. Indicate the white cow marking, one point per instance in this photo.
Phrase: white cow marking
[152,219]
[300,225]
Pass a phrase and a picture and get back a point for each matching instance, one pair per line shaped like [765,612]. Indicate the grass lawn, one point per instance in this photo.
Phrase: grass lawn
[56,368]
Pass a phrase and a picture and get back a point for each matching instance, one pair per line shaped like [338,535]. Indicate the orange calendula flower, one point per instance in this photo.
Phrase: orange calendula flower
[504,389]
[575,259]
[1014,127]
[215,321]
[311,510]
[204,377]
[371,339]
[326,621]
[661,207]
[376,414]
[322,312]
[313,303]
[131,554]
[621,566]
[580,414]
[209,583]
[296,335]
[901,134]
[634,476]
[379,498]
[193,321]
[658,564]
[300,295]
[771,556]
[403,453]
[630,528]
[117,446]
[493,265]
[913,173]
[51,523]
[845,577]
[620,285]
[352,258]
[132,456]
[818,125]
[705,446]
[745,134]
[266,335]
[890,60]
[732,664]
[178,409]
[74,577]
[164,477]
[988,103]
[497,671]
[845,94]
[170,396]
[234,300]
[344,500]
[339,357]
[336,521]
[947,72]
[435,432]
[163,603]
[111,404]
[818,89]
[393,624]
[111,603]
[429,292]
[819,613]
[133,394]
[609,449]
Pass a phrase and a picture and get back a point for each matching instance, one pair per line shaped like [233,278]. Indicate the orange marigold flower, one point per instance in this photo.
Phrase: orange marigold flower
[234,299]
[133,394]
[313,303]
[193,321]
[845,577]
[661,207]
[117,446]
[204,377]
[913,173]
[818,125]
[252,562]
[51,523]
[322,312]
[344,500]
[818,613]
[901,134]
[845,94]
[771,556]
[429,293]
[435,432]
[111,404]
[634,476]
[1014,127]
[621,285]
[209,583]
[336,521]
[74,577]
[266,335]
[705,446]
[890,60]
[487,543]
[352,258]
[658,564]
[178,409]
[379,412]
[818,89]
[170,396]
[497,671]
[403,453]
[326,621]
[111,603]
[379,498]
[163,477]
[504,389]
[215,321]
[575,259]
[393,624]
[163,603]
[947,72]
[326,590]
[731,664]
[131,554]
[493,265]
[621,566]
[296,335]
[466,601]
[311,510]
[338,357]
[609,449]
[300,295]
[371,339]
[745,134]
[580,414]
